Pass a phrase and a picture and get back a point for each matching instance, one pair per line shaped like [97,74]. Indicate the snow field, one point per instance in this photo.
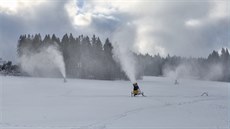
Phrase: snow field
[48,103]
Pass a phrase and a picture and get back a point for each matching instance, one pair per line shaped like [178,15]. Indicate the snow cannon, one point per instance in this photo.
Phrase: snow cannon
[136,90]
[176,82]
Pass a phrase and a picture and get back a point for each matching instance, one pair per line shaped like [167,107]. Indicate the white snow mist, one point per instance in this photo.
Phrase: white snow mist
[181,71]
[193,71]
[48,62]
[126,60]
[122,51]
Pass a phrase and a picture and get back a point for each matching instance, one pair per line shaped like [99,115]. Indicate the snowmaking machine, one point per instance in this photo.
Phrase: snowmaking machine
[136,90]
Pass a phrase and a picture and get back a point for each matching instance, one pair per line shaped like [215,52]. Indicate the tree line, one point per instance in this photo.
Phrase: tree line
[215,67]
[84,57]
[7,68]
[89,57]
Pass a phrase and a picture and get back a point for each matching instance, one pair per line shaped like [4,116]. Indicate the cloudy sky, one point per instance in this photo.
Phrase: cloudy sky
[178,27]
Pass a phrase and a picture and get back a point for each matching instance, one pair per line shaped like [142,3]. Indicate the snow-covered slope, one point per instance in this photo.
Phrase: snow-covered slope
[41,103]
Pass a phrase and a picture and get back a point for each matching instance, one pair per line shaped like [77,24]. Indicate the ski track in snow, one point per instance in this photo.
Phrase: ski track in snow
[103,124]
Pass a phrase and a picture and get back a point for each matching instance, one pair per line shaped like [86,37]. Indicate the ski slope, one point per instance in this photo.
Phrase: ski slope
[49,103]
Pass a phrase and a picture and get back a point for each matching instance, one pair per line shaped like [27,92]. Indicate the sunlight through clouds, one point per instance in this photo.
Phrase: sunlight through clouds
[192,22]
[13,6]
[77,17]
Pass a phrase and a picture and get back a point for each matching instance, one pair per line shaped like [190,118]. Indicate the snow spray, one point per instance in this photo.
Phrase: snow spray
[126,60]
[45,63]
[57,59]
[124,40]
[186,70]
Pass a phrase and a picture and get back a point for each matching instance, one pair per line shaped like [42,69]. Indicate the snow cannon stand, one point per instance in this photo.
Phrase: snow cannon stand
[136,91]
[65,80]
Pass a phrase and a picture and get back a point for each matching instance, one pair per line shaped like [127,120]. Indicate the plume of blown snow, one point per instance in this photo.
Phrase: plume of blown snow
[126,60]
[215,72]
[122,50]
[46,63]
[212,72]
[181,71]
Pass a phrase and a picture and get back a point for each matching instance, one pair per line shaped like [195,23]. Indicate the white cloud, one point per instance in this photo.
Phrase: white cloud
[82,19]
[15,6]
[9,6]
[146,42]
[219,9]
[77,16]
[192,22]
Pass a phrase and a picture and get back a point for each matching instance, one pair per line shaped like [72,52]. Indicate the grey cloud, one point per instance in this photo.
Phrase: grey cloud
[48,19]
[178,39]
[164,21]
